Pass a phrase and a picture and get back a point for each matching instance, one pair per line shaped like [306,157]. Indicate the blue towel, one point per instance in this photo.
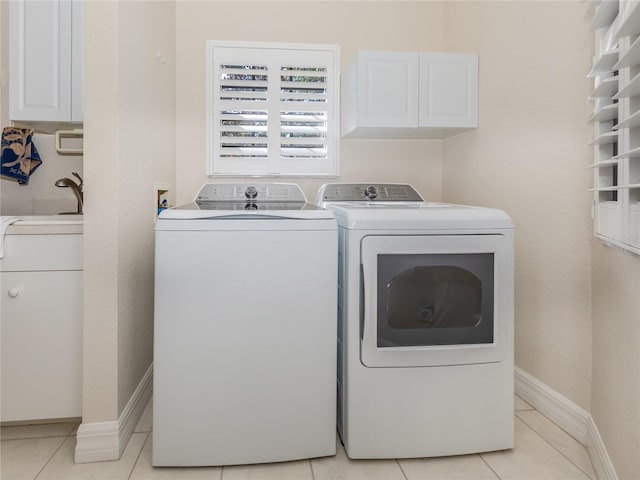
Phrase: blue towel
[20,157]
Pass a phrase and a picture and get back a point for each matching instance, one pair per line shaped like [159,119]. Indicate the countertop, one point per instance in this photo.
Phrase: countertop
[46,225]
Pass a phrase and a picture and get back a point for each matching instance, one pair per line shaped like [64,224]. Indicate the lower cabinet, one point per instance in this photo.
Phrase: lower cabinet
[41,318]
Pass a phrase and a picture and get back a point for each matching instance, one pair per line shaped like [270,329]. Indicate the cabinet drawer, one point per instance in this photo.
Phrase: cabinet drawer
[41,252]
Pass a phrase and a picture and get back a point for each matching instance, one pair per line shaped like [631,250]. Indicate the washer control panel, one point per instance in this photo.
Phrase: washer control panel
[367,192]
[251,192]
[371,191]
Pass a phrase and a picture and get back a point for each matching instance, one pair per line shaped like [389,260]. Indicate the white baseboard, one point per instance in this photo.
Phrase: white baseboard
[99,442]
[598,453]
[570,417]
[560,410]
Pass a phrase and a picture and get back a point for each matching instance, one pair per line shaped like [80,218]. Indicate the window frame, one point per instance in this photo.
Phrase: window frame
[616,137]
[276,165]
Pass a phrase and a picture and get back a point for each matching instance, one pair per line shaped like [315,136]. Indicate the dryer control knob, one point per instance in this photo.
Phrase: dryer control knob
[251,192]
[371,191]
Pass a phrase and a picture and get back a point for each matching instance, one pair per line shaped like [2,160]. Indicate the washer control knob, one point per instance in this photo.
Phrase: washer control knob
[371,191]
[251,192]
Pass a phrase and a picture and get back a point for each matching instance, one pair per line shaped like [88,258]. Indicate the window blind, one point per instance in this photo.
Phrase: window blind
[273,110]
[616,120]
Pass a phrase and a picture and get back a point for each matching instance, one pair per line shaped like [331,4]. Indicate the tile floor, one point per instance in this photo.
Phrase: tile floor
[543,451]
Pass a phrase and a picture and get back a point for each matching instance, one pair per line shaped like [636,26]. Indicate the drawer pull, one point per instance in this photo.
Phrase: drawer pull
[13,292]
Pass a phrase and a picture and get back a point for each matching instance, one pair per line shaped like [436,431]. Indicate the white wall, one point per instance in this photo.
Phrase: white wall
[528,157]
[351,25]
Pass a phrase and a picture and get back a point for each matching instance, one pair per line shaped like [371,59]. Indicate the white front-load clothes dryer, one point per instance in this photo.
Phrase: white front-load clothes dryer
[245,328]
[425,324]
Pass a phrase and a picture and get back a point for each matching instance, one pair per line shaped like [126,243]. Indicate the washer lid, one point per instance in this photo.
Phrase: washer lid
[245,210]
[247,200]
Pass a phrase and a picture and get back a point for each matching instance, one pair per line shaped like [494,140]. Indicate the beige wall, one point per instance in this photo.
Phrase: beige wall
[616,356]
[146,153]
[129,143]
[41,196]
[577,301]
[100,327]
[351,25]
[528,157]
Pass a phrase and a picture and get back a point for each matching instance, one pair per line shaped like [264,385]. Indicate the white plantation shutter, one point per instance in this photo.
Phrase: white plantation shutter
[272,110]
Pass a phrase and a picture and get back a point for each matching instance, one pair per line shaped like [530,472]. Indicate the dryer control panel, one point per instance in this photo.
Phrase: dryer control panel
[367,192]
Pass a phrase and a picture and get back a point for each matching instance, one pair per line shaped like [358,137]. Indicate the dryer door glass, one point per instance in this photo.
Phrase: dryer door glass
[431,300]
[435,299]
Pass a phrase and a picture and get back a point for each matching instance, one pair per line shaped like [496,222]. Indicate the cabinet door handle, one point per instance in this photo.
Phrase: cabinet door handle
[13,292]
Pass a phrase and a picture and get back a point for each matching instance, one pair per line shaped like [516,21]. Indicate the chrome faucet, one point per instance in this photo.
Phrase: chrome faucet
[76,187]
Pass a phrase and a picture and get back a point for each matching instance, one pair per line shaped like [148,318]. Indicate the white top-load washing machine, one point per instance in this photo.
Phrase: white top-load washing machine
[425,323]
[245,328]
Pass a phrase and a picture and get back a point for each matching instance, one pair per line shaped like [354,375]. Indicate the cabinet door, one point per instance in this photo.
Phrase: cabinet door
[387,89]
[40,60]
[77,61]
[41,344]
[448,90]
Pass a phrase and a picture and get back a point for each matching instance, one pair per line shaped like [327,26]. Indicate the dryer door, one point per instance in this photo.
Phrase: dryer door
[436,300]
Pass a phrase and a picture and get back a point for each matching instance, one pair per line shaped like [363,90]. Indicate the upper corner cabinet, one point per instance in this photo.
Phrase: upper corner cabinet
[409,95]
[45,60]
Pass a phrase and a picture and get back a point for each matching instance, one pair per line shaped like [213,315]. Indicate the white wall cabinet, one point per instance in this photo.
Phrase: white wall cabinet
[409,95]
[45,60]
[41,311]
